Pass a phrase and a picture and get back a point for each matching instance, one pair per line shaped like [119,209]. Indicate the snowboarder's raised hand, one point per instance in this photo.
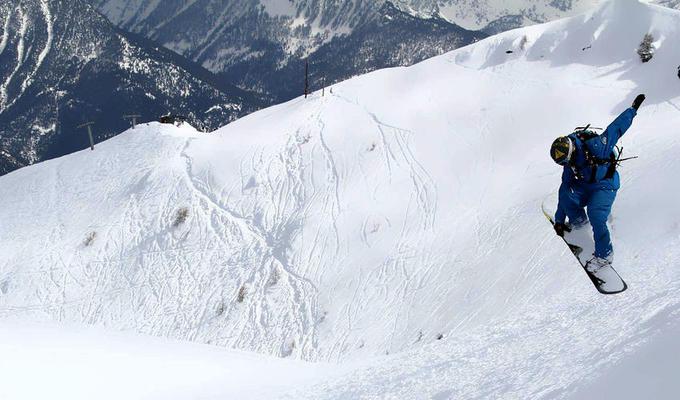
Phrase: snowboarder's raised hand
[638,101]
[561,228]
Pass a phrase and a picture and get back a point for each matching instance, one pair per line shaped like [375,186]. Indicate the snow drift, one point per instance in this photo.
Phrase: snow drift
[400,208]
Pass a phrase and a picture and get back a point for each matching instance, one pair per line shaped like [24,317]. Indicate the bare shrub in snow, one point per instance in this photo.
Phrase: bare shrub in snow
[523,42]
[220,309]
[646,49]
[181,216]
[90,239]
[241,294]
[274,277]
[288,348]
[304,139]
[323,316]
[4,287]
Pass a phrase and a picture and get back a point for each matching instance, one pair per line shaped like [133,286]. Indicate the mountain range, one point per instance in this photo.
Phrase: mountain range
[261,45]
[64,64]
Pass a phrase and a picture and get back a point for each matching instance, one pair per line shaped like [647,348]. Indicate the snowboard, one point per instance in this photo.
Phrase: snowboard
[580,242]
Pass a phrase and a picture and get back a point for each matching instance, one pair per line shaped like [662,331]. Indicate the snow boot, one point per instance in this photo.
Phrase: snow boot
[596,263]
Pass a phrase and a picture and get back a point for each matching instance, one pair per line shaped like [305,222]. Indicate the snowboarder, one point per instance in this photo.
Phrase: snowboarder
[590,181]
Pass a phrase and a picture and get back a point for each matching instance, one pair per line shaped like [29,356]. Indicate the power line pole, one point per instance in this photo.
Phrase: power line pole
[306,78]
[89,132]
[133,119]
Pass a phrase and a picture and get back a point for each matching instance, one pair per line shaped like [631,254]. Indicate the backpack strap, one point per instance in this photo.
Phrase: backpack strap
[584,136]
[593,162]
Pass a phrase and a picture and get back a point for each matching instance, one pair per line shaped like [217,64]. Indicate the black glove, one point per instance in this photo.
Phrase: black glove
[638,101]
[561,228]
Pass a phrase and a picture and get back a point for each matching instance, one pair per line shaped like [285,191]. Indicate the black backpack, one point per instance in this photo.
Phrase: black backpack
[584,134]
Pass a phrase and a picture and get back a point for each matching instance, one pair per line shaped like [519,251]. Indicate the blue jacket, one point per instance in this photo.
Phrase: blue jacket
[599,147]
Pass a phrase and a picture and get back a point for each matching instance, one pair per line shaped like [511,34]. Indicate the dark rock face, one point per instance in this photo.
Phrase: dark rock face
[62,64]
[393,38]
[503,24]
[669,3]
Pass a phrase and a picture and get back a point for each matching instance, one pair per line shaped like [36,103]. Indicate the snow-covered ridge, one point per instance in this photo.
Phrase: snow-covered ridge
[401,208]
[73,362]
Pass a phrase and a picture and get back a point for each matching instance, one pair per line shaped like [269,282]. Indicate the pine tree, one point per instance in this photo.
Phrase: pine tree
[646,49]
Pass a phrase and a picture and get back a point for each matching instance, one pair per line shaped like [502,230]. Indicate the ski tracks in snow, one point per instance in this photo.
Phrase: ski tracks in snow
[394,283]
[424,186]
[268,232]
[334,180]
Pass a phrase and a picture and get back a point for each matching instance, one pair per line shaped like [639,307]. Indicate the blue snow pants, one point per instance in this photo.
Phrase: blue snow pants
[598,203]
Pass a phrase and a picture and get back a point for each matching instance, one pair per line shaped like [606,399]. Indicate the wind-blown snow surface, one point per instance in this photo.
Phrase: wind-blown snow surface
[400,207]
[76,363]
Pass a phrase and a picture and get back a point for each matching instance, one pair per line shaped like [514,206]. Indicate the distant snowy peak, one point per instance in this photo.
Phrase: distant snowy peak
[305,18]
[326,14]
[258,45]
[478,14]
[221,33]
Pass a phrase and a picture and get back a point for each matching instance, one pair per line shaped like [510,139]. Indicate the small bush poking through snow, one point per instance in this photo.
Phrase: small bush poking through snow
[241,294]
[288,348]
[90,239]
[4,287]
[220,309]
[523,43]
[646,49]
[323,316]
[181,216]
[274,277]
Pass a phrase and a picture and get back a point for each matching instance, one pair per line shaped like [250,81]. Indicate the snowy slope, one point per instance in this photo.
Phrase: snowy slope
[76,363]
[366,223]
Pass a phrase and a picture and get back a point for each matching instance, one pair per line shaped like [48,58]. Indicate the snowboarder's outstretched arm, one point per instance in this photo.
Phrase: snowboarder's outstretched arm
[620,125]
